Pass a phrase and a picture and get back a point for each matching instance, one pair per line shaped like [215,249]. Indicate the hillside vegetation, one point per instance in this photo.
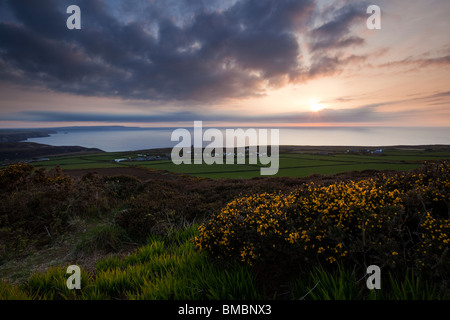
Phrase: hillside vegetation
[193,238]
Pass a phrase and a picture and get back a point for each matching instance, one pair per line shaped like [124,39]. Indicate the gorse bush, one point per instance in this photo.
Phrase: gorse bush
[395,222]
[14,175]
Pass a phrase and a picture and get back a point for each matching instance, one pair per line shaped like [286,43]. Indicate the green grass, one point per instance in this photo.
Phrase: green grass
[51,285]
[170,268]
[9,291]
[80,162]
[323,285]
[291,164]
[342,284]
[107,238]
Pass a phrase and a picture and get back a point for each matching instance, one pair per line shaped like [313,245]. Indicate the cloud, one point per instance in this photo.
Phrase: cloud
[418,63]
[335,33]
[366,113]
[324,65]
[329,43]
[186,50]
[440,95]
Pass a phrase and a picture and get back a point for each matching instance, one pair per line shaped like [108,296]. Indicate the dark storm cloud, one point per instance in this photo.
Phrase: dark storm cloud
[43,17]
[186,50]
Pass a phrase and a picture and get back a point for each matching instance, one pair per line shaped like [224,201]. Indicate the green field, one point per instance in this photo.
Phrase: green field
[290,164]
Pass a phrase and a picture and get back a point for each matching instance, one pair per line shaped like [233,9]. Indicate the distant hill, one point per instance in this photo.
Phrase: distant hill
[29,150]
[16,135]
[22,134]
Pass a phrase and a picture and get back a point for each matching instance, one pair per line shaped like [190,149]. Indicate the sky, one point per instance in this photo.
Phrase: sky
[167,63]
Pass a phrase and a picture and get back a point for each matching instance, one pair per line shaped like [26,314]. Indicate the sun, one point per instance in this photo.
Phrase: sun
[316,105]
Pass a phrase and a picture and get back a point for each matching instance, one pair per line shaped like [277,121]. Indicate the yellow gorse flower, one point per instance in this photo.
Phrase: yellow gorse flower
[324,221]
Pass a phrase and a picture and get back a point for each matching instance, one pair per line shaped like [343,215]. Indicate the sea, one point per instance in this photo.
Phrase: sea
[117,139]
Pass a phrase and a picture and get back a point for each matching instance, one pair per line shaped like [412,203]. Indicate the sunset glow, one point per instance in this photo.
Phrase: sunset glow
[316,105]
[169,63]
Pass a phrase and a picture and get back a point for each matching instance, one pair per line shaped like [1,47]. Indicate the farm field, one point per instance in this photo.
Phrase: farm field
[290,164]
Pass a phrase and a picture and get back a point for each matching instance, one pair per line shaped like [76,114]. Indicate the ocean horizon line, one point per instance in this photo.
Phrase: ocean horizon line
[99,127]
